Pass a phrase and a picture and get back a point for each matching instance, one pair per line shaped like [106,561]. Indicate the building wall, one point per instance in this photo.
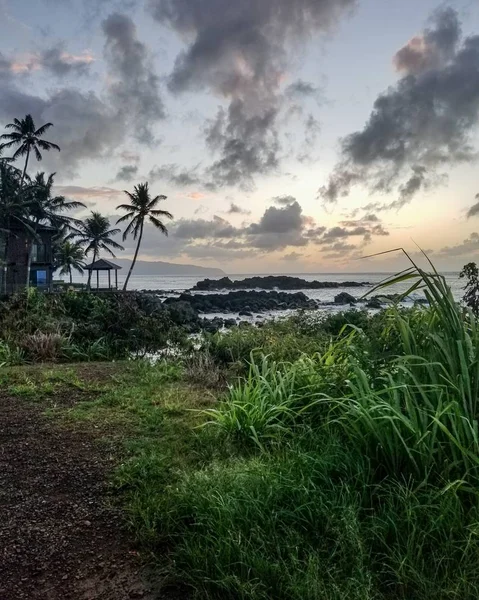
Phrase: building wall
[41,275]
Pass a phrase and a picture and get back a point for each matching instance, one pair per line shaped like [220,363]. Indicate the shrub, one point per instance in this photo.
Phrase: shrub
[44,347]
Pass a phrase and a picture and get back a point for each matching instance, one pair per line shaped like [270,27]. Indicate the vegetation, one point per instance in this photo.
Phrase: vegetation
[75,326]
[94,235]
[28,139]
[70,256]
[470,272]
[143,207]
[26,203]
[346,471]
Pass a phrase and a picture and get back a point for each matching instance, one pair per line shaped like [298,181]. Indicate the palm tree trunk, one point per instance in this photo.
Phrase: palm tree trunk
[90,271]
[134,257]
[25,167]
[30,256]
[5,260]
[71,276]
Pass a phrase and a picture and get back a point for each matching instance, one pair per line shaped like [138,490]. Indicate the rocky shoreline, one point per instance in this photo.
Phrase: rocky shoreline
[246,302]
[272,282]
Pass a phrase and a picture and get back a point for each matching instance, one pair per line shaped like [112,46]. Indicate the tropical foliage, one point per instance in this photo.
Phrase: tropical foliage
[28,139]
[94,235]
[70,257]
[26,203]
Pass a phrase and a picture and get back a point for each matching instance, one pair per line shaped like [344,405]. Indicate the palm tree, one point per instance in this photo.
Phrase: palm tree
[142,207]
[94,234]
[15,207]
[47,208]
[70,256]
[28,139]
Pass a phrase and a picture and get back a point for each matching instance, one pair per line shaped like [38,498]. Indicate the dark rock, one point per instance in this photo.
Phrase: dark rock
[271,282]
[242,300]
[344,298]
[245,313]
[374,303]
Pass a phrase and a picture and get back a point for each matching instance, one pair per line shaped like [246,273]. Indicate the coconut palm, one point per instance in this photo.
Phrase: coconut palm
[47,208]
[28,139]
[94,234]
[15,208]
[142,207]
[70,256]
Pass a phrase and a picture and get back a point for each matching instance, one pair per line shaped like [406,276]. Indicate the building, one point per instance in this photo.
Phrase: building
[14,248]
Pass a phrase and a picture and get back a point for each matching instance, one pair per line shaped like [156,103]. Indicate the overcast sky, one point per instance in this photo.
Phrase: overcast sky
[288,135]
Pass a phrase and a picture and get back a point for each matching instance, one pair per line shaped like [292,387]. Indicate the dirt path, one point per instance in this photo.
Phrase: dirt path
[58,538]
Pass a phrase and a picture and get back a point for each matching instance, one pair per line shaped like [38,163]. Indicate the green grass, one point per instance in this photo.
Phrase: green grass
[348,470]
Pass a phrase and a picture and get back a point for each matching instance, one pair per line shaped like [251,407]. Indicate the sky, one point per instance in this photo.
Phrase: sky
[289,136]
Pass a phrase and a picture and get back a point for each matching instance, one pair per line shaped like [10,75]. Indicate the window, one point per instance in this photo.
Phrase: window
[39,253]
[39,278]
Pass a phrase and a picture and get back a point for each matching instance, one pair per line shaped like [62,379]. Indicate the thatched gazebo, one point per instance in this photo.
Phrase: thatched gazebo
[104,265]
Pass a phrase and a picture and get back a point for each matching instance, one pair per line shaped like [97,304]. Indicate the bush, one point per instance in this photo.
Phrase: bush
[80,325]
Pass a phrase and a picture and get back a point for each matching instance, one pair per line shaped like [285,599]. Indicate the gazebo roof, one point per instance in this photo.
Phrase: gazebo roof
[102,265]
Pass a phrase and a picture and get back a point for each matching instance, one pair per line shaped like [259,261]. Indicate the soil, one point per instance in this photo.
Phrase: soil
[60,537]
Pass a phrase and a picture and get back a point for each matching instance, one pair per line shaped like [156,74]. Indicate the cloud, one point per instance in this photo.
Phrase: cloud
[367,219]
[241,51]
[55,60]
[278,229]
[130,157]
[234,209]
[175,174]
[433,48]
[89,126]
[88,193]
[127,173]
[284,200]
[469,246]
[474,210]
[302,88]
[423,123]
[279,220]
[196,195]
[292,257]
[135,90]
[190,229]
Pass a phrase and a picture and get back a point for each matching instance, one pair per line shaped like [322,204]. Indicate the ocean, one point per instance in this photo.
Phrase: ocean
[181,283]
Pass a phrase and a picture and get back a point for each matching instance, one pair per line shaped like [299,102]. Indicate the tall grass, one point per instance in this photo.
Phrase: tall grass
[355,471]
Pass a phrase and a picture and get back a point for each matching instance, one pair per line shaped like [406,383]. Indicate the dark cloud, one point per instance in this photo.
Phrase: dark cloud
[423,123]
[61,63]
[190,229]
[88,127]
[302,88]
[248,145]
[433,48]
[241,51]
[284,200]
[279,220]
[367,219]
[336,233]
[474,210]
[470,246]
[292,257]
[234,209]
[279,228]
[84,126]
[135,90]
[127,173]
[56,60]
[175,174]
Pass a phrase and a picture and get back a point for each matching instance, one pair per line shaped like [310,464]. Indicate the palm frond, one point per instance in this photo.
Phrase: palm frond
[158,224]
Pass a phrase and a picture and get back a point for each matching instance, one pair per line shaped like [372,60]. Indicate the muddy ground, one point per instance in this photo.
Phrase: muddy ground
[60,536]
